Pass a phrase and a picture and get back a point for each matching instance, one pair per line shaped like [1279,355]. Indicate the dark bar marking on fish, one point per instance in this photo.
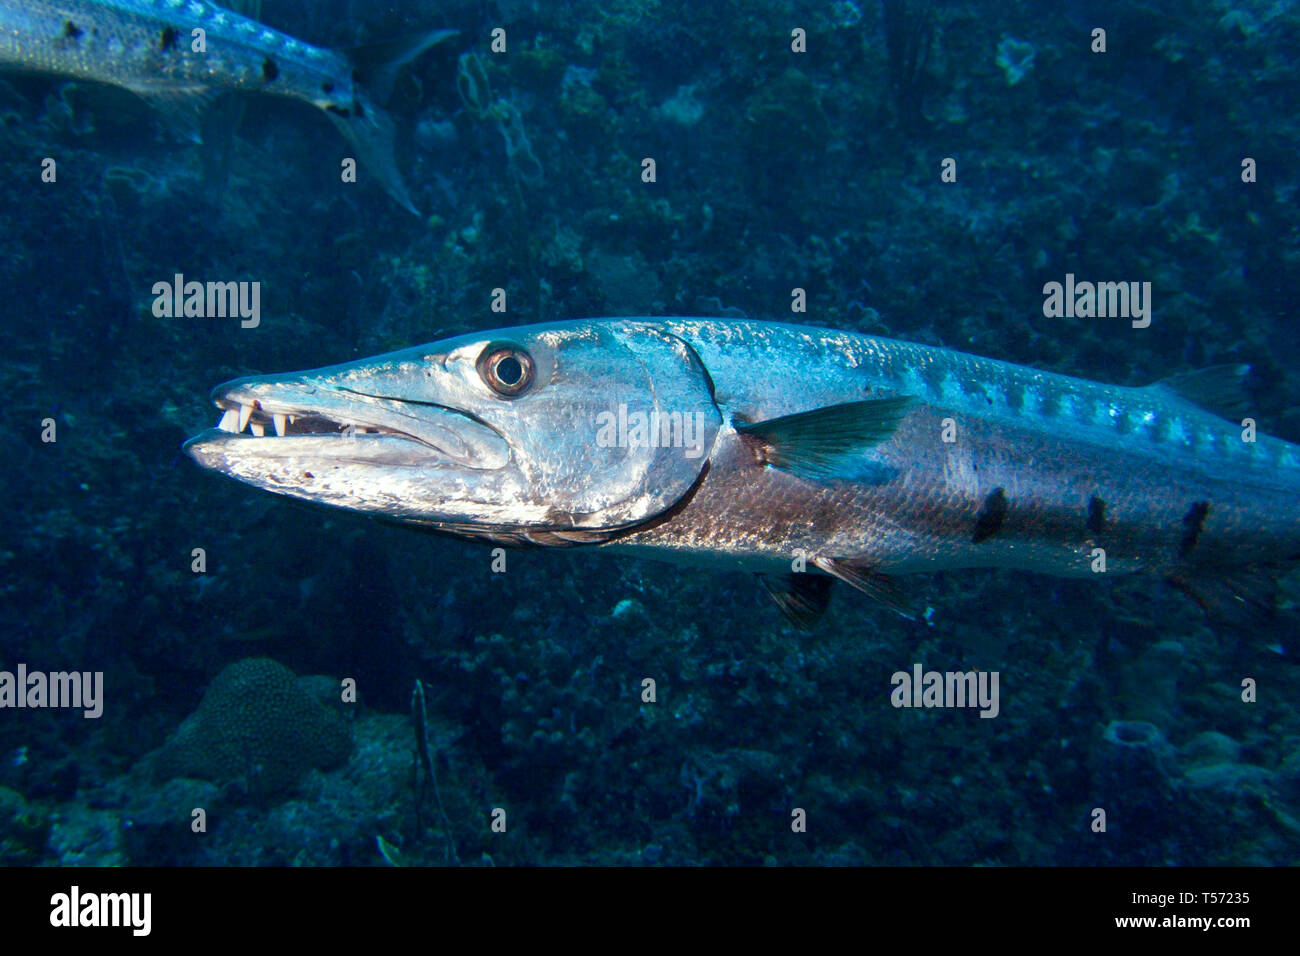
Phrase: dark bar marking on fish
[327,87]
[269,70]
[933,377]
[1193,525]
[168,39]
[977,389]
[1158,431]
[992,514]
[71,30]
[1096,515]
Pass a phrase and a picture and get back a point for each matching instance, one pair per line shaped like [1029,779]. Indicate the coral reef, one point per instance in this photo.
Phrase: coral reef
[257,727]
[24,828]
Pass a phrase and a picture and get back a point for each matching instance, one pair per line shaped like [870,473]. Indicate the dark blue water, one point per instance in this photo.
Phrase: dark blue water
[224,689]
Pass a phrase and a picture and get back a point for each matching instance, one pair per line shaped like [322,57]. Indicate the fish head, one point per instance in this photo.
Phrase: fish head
[558,433]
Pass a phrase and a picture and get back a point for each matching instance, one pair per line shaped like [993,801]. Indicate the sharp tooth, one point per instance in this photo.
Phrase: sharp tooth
[256,429]
[291,418]
[278,421]
[229,421]
[245,412]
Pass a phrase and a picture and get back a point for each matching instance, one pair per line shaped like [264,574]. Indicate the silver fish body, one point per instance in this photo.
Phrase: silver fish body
[767,446]
[149,47]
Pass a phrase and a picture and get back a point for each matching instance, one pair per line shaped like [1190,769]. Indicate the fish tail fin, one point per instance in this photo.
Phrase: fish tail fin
[367,126]
[378,64]
[373,135]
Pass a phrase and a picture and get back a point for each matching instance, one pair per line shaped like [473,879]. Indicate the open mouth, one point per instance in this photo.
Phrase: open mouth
[238,418]
[264,420]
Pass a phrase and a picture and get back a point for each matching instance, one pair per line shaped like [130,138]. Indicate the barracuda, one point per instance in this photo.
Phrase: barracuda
[146,46]
[772,448]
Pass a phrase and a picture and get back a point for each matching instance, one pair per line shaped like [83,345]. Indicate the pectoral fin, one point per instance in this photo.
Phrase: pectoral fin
[829,444]
[181,111]
[802,598]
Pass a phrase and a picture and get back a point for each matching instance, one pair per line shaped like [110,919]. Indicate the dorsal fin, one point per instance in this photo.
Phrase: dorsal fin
[1220,389]
[802,598]
[828,443]
[880,587]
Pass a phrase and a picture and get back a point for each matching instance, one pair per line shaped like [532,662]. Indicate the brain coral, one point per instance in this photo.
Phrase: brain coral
[256,725]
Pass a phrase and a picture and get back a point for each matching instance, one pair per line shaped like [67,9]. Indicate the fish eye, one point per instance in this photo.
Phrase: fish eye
[507,369]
